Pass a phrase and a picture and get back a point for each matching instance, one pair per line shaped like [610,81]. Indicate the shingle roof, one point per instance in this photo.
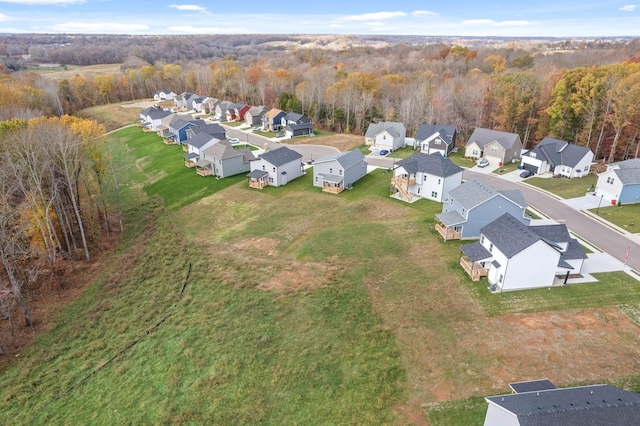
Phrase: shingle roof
[257,174]
[345,159]
[426,130]
[294,116]
[213,129]
[532,386]
[475,192]
[483,137]
[558,152]
[433,164]
[257,110]
[579,406]
[398,129]
[199,140]
[451,218]
[475,251]
[509,235]
[273,112]
[628,171]
[574,251]
[157,113]
[280,156]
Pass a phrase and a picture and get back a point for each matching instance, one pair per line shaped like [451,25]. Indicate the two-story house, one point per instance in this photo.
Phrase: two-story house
[336,172]
[432,138]
[429,176]
[275,168]
[558,157]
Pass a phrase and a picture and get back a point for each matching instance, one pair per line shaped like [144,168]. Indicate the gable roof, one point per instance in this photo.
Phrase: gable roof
[474,192]
[223,150]
[180,123]
[273,113]
[394,128]
[280,156]
[199,140]
[584,405]
[628,171]
[155,113]
[345,159]
[558,152]
[426,130]
[257,110]
[509,235]
[433,164]
[213,129]
[482,137]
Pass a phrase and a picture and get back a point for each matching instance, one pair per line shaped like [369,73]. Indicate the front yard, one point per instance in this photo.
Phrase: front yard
[563,187]
[626,216]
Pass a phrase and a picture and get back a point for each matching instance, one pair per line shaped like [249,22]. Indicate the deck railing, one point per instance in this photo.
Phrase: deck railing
[474,270]
[447,232]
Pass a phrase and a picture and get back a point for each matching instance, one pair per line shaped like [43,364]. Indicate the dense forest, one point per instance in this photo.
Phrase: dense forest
[52,207]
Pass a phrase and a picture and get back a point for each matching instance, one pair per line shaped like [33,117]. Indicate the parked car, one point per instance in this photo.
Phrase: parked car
[279,135]
[525,173]
[483,162]
[234,141]
[384,152]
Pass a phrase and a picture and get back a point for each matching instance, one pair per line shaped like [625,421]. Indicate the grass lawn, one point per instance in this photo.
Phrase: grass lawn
[506,168]
[622,216]
[402,153]
[565,188]
[233,123]
[322,133]
[300,307]
[458,158]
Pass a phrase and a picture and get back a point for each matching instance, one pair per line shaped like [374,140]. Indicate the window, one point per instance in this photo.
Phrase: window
[438,141]
[475,153]
[501,278]
[451,201]
[490,247]
[274,169]
[463,212]
[434,194]
[439,181]
[586,168]
[494,148]
[610,180]
[270,180]
[263,167]
[481,239]
[532,154]
[330,170]
[340,172]
[424,178]
[316,178]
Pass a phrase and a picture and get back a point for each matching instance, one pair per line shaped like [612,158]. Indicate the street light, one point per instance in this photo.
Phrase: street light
[599,202]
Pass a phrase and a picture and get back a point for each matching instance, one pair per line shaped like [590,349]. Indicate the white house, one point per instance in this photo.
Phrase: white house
[429,176]
[620,183]
[196,145]
[152,117]
[275,168]
[164,95]
[514,256]
[432,138]
[386,135]
[558,157]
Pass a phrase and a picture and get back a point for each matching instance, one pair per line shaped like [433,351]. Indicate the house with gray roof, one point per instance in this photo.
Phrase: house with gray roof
[275,168]
[253,116]
[385,135]
[620,183]
[558,157]
[475,204]
[514,256]
[212,129]
[429,176]
[178,128]
[540,403]
[180,101]
[222,160]
[337,172]
[196,145]
[432,138]
[496,146]
[152,117]
[295,125]
[220,110]
[164,95]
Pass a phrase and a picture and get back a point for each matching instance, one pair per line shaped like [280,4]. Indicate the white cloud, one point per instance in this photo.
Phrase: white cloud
[373,16]
[629,8]
[374,24]
[423,13]
[188,7]
[100,27]
[189,29]
[492,23]
[43,2]
[4,18]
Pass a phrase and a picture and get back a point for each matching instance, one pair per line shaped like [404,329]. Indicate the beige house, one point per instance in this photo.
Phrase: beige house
[496,146]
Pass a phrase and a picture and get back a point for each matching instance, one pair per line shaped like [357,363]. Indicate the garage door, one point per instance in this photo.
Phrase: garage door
[530,167]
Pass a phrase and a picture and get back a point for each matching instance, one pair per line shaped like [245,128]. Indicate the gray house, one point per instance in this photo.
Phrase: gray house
[275,168]
[440,138]
[335,172]
[496,146]
[253,117]
[222,160]
[475,204]
[385,135]
[540,403]
[222,108]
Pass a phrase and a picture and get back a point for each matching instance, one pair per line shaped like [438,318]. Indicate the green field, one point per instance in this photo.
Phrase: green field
[229,305]
[565,188]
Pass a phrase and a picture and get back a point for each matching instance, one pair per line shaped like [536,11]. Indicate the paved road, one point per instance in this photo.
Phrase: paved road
[589,229]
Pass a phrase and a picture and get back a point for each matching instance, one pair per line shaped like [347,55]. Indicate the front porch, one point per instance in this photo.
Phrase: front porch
[474,269]
[447,232]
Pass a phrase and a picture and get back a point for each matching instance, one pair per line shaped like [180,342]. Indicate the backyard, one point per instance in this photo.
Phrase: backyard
[232,305]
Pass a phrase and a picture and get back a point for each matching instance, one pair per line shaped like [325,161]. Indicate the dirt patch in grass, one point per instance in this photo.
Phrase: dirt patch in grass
[297,276]
[342,142]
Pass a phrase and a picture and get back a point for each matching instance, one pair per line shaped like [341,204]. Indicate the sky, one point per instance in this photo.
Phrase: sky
[516,18]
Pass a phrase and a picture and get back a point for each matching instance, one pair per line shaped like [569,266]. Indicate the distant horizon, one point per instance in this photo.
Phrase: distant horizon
[457,18]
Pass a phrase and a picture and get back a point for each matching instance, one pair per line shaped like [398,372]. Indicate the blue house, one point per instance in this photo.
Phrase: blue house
[475,204]
[178,129]
[620,183]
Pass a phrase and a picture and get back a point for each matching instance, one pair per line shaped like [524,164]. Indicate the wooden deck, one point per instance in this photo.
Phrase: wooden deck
[332,189]
[473,269]
[401,183]
[202,171]
[170,141]
[447,233]
[189,163]
[258,184]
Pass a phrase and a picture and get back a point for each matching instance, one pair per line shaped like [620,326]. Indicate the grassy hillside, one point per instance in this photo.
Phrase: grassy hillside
[228,305]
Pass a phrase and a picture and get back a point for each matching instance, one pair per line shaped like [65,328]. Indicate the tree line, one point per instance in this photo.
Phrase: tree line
[52,204]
